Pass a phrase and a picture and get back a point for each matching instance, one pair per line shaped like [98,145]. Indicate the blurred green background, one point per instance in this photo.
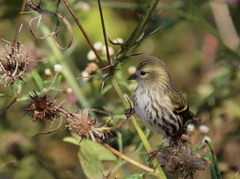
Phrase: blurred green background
[197,40]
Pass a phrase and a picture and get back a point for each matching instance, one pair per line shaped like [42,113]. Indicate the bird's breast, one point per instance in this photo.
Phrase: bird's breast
[155,110]
[143,110]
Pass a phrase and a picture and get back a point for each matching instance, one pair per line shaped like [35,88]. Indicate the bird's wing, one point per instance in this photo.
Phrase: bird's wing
[180,106]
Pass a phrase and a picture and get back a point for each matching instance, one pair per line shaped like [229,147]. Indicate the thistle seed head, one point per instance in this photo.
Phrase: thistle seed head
[13,63]
[42,107]
[180,160]
[83,124]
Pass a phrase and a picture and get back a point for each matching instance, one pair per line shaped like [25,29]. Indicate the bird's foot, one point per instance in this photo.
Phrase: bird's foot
[153,154]
[129,112]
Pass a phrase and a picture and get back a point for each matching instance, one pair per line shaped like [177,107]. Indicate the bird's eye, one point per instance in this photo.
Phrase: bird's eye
[142,72]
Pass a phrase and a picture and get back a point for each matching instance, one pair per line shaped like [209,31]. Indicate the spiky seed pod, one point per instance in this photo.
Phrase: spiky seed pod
[13,63]
[181,161]
[42,107]
[83,124]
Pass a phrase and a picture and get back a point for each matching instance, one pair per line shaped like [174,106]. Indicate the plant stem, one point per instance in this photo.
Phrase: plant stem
[215,172]
[142,136]
[125,157]
[137,31]
[19,23]
[102,63]
[104,31]
[66,71]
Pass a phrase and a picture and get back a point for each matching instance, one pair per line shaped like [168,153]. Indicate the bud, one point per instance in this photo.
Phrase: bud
[58,68]
[117,40]
[91,55]
[131,70]
[93,66]
[69,90]
[110,50]
[83,6]
[98,46]
[85,75]
[190,127]
[48,72]
[204,129]
[206,139]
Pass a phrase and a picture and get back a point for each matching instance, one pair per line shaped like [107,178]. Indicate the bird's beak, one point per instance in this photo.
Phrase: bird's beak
[133,77]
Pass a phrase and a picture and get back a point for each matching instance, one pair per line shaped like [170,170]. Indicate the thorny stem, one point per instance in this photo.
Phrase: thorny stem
[137,31]
[19,23]
[102,63]
[143,138]
[104,31]
[125,157]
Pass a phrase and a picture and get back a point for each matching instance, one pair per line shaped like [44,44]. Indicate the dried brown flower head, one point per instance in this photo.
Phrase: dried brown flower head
[13,63]
[42,107]
[181,161]
[83,124]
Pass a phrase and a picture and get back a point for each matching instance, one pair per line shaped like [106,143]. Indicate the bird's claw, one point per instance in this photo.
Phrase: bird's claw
[129,112]
[152,155]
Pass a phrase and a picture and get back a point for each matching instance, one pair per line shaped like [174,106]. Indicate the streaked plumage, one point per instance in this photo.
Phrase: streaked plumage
[157,100]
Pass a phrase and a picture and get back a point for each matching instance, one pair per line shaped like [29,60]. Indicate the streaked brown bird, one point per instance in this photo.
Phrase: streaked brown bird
[158,102]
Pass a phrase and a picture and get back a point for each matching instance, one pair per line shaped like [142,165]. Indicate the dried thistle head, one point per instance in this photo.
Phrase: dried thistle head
[13,63]
[83,124]
[42,107]
[181,161]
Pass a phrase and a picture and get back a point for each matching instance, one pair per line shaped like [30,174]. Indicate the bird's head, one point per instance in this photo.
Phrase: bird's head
[151,72]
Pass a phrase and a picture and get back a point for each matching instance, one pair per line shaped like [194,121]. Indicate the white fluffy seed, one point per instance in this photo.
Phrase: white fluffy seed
[69,90]
[58,68]
[85,75]
[204,129]
[98,46]
[83,6]
[131,70]
[110,50]
[48,72]
[117,40]
[190,127]
[91,55]
[206,139]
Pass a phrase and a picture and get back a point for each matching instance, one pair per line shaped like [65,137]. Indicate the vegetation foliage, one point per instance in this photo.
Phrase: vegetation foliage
[64,65]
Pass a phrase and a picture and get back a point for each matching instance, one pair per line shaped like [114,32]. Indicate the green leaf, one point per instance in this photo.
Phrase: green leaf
[91,148]
[91,165]
[71,140]
[38,79]
[136,176]
[106,89]
[57,81]
[91,155]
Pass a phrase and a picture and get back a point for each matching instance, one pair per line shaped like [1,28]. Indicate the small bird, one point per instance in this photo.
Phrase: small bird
[158,102]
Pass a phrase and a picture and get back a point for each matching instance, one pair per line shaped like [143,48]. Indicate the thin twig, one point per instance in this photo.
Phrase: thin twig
[19,23]
[102,63]
[104,31]
[8,106]
[118,125]
[51,131]
[125,157]
[7,163]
